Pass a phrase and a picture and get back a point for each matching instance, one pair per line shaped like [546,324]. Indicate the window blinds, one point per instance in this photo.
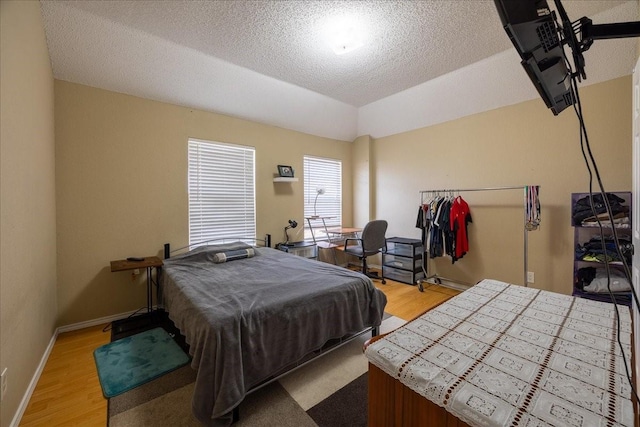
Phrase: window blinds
[325,174]
[221,191]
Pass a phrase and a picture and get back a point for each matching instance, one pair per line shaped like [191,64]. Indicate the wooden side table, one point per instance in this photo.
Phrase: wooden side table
[149,263]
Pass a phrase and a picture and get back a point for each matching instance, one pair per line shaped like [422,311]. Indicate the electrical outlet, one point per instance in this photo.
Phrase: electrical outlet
[531,278]
[3,383]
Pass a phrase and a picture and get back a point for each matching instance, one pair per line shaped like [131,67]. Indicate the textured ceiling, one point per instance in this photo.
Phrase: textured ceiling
[406,42]
[268,60]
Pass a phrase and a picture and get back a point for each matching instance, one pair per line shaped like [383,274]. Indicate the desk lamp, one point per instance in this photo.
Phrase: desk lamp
[319,191]
[292,224]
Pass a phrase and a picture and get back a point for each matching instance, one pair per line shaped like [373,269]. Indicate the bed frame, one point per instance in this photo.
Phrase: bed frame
[266,242]
[327,348]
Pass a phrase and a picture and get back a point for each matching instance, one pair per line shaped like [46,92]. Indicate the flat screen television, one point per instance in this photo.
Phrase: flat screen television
[539,37]
[533,31]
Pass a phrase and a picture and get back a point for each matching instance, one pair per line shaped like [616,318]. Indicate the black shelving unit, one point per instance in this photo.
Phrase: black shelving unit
[586,232]
[402,261]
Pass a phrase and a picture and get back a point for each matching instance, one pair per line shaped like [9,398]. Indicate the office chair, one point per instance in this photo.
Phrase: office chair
[371,242]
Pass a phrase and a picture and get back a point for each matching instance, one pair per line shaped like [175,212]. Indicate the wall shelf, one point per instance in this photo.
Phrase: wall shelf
[285,179]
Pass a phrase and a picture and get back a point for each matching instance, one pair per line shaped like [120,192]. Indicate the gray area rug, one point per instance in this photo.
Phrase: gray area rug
[328,392]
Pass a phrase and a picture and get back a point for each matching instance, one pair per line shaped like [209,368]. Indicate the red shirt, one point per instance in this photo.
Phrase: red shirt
[459,217]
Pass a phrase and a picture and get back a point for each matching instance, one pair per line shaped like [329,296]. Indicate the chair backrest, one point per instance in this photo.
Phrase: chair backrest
[373,236]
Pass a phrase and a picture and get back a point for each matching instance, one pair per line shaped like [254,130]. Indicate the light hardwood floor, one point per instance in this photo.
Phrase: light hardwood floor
[69,394]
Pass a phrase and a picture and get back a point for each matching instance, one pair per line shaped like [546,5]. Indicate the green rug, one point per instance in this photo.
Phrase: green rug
[132,361]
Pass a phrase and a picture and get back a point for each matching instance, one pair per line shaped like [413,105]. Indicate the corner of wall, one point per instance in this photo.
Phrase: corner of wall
[362,176]
[29,304]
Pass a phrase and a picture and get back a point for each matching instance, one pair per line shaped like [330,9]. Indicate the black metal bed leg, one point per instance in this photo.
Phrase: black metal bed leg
[375,331]
[235,415]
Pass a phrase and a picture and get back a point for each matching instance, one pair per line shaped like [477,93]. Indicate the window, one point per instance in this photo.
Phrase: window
[221,191]
[322,175]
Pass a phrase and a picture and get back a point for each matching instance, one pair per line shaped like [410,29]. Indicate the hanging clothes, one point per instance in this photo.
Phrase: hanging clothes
[436,241]
[444,223]
[460,217]
[423,222]
[447,231]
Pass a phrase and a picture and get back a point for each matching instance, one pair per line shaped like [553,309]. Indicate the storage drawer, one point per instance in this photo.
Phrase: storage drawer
[403,276]
[303,249]
[403,249]
[405,263]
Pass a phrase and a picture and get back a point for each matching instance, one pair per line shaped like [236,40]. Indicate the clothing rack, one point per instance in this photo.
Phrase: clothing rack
[527,225]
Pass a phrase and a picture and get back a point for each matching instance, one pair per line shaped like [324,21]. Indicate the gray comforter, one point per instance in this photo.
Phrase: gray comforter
[245,320]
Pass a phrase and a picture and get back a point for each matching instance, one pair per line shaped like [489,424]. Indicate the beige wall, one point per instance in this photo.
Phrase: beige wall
[28,234]
[522,144]
[121,172]
[362,184]
[121,166]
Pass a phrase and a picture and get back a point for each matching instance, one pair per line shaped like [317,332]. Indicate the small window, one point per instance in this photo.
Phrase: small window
[322,190]
[221,191]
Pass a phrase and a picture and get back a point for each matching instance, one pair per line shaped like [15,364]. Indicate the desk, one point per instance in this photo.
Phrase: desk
[339,235]
[344,231]
[328,244]
[149,263]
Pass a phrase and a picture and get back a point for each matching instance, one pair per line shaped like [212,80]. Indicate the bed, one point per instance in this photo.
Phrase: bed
[250,319]
[505,355]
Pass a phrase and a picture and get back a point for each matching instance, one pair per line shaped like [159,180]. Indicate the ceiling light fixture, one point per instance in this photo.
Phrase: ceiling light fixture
[345,41]
[343,36]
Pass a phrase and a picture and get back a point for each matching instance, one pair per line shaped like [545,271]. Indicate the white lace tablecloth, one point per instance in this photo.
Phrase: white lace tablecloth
[505,355]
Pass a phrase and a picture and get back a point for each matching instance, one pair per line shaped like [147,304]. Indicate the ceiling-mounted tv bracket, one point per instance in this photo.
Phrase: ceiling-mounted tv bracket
[588,32]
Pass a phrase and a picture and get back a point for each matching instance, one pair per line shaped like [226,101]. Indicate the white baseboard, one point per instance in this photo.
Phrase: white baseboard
[94,322]
[45,357]
[34,381]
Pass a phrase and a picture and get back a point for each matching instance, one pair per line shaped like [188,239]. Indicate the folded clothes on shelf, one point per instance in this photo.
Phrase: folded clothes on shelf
[585,207]
[595,280]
